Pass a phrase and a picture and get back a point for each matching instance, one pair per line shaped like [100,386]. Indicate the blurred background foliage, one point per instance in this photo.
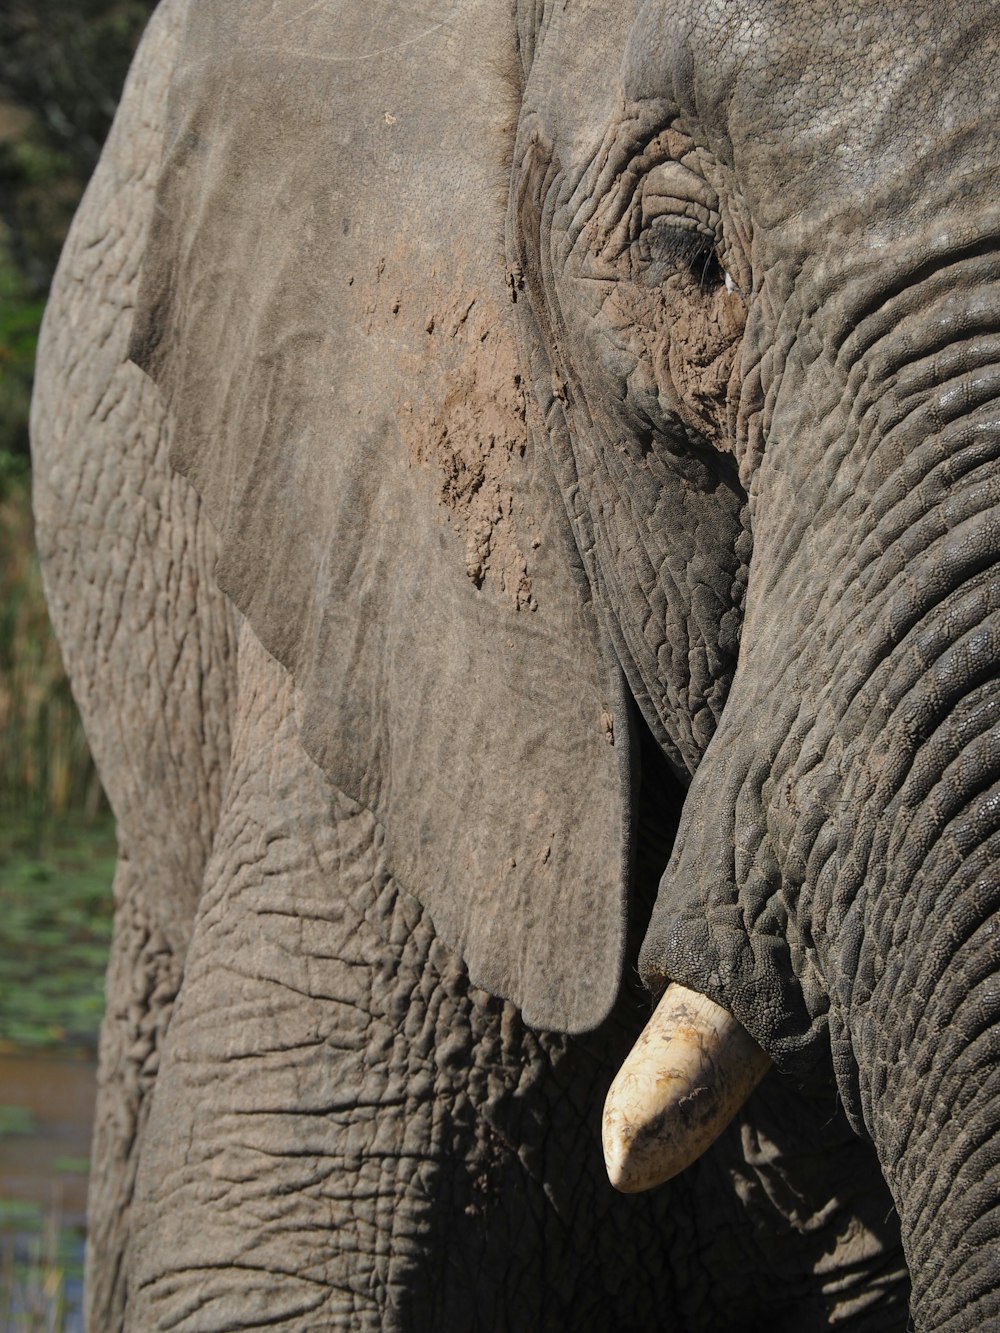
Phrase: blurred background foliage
[62,65]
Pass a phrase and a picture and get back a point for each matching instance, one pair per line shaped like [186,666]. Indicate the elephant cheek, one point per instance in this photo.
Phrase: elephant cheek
[698,363]
[684,346]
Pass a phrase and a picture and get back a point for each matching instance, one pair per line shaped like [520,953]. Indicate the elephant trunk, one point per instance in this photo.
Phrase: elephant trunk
[924,1015]
[834,884]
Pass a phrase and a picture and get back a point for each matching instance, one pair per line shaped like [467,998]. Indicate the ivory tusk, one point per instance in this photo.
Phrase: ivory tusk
[691,1070]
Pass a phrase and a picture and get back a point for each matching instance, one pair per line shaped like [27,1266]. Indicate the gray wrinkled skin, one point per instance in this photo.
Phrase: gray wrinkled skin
[548,430]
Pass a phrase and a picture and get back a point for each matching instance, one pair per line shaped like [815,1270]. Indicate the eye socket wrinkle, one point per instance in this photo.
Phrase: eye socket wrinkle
[667,248]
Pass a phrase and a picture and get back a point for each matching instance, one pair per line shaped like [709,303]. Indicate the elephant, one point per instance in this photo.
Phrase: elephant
[517,487]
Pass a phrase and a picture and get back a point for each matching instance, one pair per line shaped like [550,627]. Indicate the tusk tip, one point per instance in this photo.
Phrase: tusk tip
[639,1155]
[625,1170]
[691,1069]
[621,1169]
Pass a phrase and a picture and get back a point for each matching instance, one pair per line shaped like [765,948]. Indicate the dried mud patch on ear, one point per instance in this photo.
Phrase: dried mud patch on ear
[471,432]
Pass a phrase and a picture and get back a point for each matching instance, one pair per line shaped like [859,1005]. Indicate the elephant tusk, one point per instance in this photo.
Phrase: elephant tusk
[691,1070]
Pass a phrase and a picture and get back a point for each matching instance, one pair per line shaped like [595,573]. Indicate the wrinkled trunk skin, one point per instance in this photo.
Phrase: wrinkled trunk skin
[345,1132]
[858,759]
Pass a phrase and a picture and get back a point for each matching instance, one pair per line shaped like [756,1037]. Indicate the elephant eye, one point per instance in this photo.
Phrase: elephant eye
[666,251]
[708,270]
[678,311]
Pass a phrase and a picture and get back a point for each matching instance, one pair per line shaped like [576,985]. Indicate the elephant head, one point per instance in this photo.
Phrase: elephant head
[761,265]
[569,377]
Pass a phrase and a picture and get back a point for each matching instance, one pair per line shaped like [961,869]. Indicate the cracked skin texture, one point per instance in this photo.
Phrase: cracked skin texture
[344,1127]
[469,429]
[317,1110]
[689,334]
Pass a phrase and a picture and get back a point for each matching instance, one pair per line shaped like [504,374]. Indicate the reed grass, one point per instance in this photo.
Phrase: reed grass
[39,1258]
[45,763]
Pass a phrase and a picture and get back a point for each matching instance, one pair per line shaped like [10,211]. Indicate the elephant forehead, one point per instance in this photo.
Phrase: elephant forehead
[820,103]
[806,103]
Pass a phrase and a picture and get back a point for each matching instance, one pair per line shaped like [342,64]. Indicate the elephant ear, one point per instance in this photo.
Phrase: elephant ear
[324,306]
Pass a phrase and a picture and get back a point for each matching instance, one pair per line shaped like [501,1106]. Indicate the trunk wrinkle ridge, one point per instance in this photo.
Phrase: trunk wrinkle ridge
[877,306]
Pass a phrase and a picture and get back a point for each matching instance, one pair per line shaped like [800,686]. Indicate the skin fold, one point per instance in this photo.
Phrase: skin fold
[517,491]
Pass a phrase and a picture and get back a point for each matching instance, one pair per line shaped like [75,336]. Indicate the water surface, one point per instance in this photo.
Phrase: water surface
[46,1117]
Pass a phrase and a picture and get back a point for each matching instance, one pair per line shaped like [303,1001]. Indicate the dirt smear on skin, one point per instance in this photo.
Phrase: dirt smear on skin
[697,341]
[688,337]
[470,430]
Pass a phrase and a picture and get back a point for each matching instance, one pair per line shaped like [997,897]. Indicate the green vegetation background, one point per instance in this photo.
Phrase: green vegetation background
[62,65]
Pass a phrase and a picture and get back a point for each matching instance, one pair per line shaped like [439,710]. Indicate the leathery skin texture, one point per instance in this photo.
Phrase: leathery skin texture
[348,1135]
[773,248]
[776,449]
[121,539]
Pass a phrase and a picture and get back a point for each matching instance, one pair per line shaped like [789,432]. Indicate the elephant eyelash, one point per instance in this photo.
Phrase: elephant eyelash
[665,249]
[710,272]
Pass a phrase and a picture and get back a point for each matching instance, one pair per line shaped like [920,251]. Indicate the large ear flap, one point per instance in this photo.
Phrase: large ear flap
[325,309]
